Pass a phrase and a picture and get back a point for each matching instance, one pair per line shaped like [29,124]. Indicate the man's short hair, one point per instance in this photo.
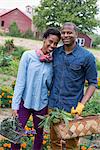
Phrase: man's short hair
[70,24]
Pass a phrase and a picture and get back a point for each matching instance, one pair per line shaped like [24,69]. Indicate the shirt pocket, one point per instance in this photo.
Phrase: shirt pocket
[75,67]
[75,71]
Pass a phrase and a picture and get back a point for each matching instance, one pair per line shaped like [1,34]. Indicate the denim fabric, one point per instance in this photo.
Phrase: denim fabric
[33,80]
[70,72]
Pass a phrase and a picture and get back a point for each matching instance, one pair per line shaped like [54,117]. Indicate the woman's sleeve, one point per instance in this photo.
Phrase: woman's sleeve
[20,81]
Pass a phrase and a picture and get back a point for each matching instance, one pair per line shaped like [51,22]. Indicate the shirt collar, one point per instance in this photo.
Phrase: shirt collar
[74,51]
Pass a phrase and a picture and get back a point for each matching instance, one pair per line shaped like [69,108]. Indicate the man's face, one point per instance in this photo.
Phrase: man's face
[50,43]
[68,35]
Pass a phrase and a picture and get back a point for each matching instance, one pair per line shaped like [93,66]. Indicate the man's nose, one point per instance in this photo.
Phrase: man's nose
[66,34]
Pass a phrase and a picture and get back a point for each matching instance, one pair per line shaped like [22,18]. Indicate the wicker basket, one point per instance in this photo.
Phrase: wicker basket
[78,128]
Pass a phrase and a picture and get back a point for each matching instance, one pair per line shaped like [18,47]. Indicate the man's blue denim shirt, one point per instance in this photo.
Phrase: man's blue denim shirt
[70,72]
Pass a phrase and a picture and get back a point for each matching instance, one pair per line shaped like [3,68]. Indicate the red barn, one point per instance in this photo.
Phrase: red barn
[84,40]
[7,17]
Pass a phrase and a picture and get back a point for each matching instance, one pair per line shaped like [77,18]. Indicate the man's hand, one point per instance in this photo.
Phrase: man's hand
[78,109]
[14,113]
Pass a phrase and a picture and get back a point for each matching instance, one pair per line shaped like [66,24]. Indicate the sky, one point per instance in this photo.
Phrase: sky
[21,4]
[11,4]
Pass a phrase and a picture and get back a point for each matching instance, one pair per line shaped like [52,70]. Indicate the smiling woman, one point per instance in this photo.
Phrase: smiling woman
[32,84]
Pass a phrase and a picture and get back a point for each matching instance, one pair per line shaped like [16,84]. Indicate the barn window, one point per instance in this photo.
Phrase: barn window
[81,41]
[2,23]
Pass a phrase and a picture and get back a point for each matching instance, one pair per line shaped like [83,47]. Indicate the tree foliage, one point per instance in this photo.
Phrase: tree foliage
[55,13]
[96,41]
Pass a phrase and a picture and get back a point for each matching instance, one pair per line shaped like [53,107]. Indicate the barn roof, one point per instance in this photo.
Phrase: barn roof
[6,11]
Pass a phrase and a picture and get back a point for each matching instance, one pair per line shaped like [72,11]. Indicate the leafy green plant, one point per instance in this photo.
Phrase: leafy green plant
[5,145]
[9,45]
[54,117]
[17,53]
[13,62]
[11,69]
[5,61]
[4,57]
[93,106]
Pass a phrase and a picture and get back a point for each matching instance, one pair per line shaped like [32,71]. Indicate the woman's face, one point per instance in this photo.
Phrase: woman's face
[50,43]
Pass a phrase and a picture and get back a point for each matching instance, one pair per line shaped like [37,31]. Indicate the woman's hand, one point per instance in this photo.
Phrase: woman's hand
[14,113]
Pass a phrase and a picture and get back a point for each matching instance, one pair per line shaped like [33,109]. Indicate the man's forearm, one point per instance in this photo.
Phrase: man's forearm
[89,92]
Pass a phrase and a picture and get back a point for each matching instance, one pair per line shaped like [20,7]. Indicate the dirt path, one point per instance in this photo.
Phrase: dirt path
[27,43]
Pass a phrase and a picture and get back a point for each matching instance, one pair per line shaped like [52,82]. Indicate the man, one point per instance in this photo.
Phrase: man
[72,65]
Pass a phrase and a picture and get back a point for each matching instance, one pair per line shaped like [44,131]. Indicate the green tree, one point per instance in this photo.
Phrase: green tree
[14,30]
[96,41]
[55,13]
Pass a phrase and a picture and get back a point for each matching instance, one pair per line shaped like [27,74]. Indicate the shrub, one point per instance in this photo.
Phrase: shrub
[11,69]
[4,57]
[5,61]
[28,34]
[14,30]
[9,64]
[17,53]
[96,41]
[9,45]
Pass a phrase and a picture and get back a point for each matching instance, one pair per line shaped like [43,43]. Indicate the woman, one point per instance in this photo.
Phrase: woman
[33,80]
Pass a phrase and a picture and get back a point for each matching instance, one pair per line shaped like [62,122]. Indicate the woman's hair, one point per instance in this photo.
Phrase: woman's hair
[52,31]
